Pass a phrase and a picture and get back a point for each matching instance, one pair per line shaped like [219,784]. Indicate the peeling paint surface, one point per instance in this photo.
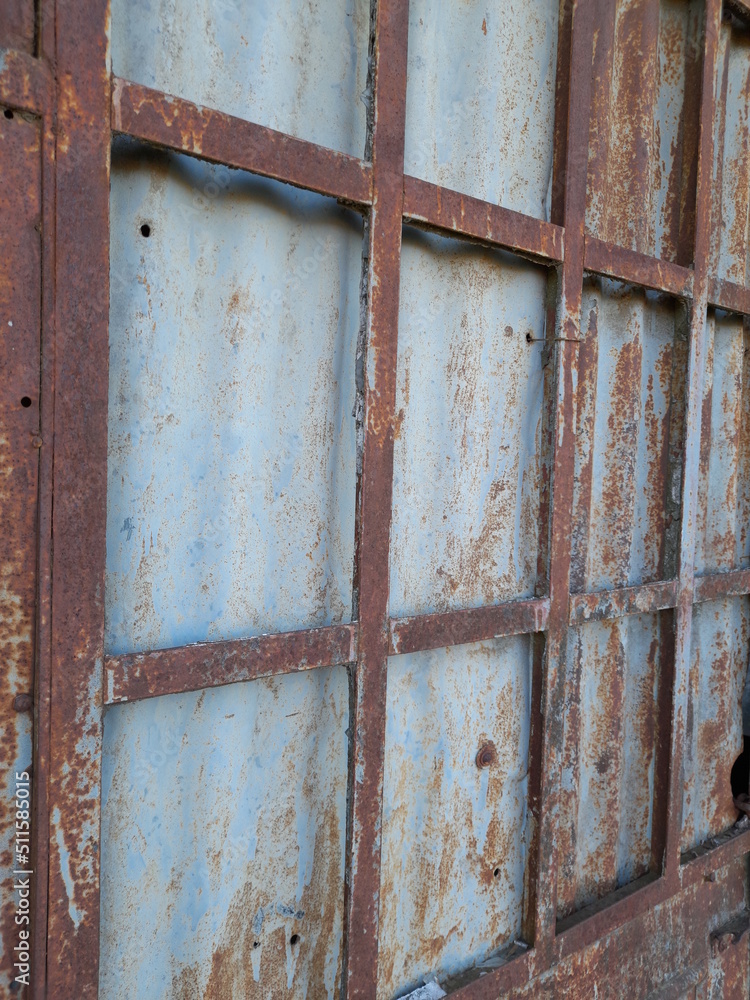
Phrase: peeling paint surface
[223,825]
[298,67]
[611,735]
[480,99]
[231,438]
[467,466]
[718,667]
[455,835]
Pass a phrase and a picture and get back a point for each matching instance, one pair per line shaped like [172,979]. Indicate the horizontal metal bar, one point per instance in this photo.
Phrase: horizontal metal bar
[25,82]
[454,628]
[644,599]
[211,664]
[700,862]
[730,296]
[212,135]
[635,268]
[739,7]
[458,214]
[715,586]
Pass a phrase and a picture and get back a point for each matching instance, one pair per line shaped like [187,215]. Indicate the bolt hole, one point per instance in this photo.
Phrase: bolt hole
[8,113]
[496,873]
[294,939]
[25,401]
[256,944]
[529,338]
[145,230]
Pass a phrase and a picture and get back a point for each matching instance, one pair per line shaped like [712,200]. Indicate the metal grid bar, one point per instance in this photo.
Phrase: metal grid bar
[608,604]
[618,262]
[730,296]
[25,82]
[368,697]
[79,489]
[692,443]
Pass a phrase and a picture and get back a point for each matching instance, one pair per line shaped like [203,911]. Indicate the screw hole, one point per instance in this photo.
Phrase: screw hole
[529,338]
[294,939]
[256,944]
[496,873]
[8,113]
[145,230]
[25,401]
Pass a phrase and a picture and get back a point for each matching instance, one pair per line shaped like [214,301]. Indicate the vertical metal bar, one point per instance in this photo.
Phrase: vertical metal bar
[571,207]
[691,465]
[79,490]
[369,681]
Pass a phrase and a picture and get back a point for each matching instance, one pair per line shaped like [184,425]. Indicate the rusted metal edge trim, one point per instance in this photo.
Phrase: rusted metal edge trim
[706,858]
[26,83]
[730,296]
[604,915]
[454,628]
[178,124]
[489,985]
[644,599]
[623,264]
[135,676]
[451,212]
[715,586]
[739,7]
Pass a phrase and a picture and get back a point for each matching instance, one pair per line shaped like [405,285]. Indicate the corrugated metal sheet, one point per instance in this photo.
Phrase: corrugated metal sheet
[467,464]
[276,63]
[456,836]
[718,666]
[223,826]
[231,434]
[480,99]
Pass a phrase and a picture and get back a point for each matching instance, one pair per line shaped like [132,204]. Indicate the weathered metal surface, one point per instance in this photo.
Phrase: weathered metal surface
[18,25]
[611,740]
[449,901]
[480,100]
[723,528]
[642,144]
[215,136]
[231,435]
[223,828]
[20,301]
[617,261]
[469,403]
[600,605]
[297,67]
[731,163]
[713,734]
[630,394]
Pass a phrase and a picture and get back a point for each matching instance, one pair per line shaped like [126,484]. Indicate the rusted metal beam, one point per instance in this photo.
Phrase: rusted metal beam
[25,82]
[700,862]
[220,138]
[637,268]
[375,491]
[715,586]
[692,442]
[573,101]
[79,487]
[643,599]
[212,664]
[730,296]
[458,214]
[451,628]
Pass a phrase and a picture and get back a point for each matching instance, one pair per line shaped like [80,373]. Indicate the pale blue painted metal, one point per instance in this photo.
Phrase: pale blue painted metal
[480,99]
[467,465]
[231,435]
[223,829]
[299,67]
[455,836]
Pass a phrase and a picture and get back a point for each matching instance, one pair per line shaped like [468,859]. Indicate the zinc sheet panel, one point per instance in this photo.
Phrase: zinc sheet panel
[480,99]
[627,498]
[723,535]
[223,829]
[641,171]
[720,641]
[607,804]
[231,484]
[455,836]
[467,463]
[298,67]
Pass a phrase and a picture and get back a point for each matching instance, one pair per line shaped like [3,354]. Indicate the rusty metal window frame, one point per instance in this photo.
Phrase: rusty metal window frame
[80,106]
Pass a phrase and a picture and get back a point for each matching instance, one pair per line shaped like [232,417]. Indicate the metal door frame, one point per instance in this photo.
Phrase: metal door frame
[69,87]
